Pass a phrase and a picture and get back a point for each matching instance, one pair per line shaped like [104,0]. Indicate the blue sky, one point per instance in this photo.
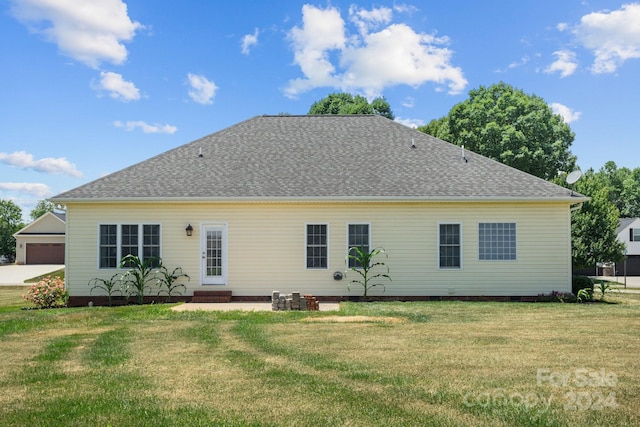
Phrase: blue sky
[90,87]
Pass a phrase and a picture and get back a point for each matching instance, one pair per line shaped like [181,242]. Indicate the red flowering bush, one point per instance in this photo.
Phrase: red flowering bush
[47,293]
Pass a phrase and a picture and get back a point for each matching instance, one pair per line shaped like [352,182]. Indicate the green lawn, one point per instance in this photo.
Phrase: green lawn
[371,364]
[53,274]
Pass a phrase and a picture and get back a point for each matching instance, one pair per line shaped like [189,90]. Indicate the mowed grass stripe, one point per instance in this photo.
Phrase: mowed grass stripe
[110,348]
[59,347]
[365,393]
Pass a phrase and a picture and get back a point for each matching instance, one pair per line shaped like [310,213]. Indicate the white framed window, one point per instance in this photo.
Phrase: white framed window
[116,241]
[497,241]
[634,234]
[450,246]
[108,246]
[358,236]
[317,246]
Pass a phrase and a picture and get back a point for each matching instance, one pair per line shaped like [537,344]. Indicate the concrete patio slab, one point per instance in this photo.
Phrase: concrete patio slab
[243,306]
[15,275]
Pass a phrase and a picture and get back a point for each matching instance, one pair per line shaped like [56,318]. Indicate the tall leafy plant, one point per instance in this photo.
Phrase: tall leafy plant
[365,264]
[169,281]
[140,274]
[108,286]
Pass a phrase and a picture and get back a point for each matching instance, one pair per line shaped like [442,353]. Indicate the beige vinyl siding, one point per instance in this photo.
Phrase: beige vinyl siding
[266,245]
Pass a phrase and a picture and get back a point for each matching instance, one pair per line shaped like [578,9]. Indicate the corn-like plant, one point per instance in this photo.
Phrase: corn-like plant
[140,276]
[169,280]
[108,286]
[365,263]
[604,287]
[583,295]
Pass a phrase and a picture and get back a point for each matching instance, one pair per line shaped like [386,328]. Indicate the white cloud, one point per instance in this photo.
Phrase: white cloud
[322,31]
[405,8]
[565,63]
[366,20]
[35,189]
[515,64]
[50,165]
[398,55]
[412,123]
[613,37]
[146,128]
[562,26]
[523,61]
[117,87]
[408,102]
[88,31]
[568,115]
[369,61]
[249,40]
[202,90]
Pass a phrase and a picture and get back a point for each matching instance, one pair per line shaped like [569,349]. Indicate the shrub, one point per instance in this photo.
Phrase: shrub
[48,292]
[581,282]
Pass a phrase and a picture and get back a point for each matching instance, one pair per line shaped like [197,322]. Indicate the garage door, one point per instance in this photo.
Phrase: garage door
[45,253]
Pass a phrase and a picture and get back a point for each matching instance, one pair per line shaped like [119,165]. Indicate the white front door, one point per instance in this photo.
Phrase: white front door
[213,267]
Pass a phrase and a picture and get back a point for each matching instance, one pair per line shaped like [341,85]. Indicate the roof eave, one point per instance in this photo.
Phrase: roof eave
[328,199]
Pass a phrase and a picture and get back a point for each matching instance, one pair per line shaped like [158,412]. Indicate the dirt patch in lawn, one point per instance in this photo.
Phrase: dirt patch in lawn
[355,319]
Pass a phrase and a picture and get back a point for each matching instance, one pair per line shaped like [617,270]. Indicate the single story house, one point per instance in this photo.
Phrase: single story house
[628,232]
[42,241]
[275,203]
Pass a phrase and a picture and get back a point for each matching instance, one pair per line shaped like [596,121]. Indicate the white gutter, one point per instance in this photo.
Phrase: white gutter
[572,200]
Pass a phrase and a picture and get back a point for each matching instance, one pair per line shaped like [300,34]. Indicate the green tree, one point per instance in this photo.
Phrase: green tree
[624,188]
[436,127]
[593,227]
[345,103]
[41,208]
[507,125]
[10,222]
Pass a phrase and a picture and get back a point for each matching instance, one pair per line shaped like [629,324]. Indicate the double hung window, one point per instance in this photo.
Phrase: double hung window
[449,246]
[317,246]
[358,237]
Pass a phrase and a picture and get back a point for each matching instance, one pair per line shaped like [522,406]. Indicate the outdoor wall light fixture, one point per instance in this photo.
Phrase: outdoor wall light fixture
[189,230]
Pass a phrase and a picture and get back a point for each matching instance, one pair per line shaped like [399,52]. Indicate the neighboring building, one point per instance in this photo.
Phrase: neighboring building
[275,202]
[42,241]
[628,232]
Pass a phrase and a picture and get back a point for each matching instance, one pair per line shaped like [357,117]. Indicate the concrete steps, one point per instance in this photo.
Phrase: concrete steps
[211,296]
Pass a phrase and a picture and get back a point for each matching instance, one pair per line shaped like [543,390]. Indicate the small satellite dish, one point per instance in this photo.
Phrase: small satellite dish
[573,177]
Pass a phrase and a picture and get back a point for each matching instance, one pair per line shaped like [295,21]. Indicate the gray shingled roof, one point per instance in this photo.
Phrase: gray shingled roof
[624,223]
[327,157]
